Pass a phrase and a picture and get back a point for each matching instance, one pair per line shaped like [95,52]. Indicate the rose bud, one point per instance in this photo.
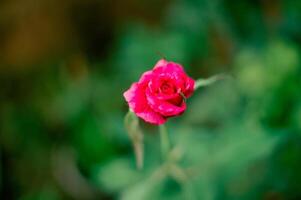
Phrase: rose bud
[160,93]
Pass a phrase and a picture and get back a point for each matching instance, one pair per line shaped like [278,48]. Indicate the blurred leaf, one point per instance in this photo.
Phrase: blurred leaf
[141,47]
[147,188]
[117,175]
[215,105]
[260,71]
[45,194]
[89,140]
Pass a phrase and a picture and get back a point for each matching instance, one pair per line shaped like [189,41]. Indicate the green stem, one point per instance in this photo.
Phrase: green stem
[209,81]
[131,123]
[165,144]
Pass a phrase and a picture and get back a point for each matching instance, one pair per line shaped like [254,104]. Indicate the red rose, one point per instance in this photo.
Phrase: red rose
[160,93]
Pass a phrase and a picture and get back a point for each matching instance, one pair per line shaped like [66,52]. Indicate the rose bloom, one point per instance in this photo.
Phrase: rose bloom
[160,93]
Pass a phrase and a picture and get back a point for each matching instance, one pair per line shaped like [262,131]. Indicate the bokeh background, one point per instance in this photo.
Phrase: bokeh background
[65,64]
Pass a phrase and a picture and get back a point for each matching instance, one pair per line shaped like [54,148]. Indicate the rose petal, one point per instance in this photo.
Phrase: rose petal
[135,96]
[189,88]
[151,117]
[164,108]
[146,77]
[169,68]
[161,63]
[172,71]
[157,81]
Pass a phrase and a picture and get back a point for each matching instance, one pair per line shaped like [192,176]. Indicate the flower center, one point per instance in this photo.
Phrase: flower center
[167,88]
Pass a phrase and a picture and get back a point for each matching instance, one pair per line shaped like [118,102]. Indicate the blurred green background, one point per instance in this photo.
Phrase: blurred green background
[65,64]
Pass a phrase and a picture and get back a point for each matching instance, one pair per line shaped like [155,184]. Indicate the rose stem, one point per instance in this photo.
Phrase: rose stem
[205,82]
[165,144]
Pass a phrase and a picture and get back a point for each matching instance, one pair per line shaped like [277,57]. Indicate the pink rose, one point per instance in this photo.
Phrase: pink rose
[160,93]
